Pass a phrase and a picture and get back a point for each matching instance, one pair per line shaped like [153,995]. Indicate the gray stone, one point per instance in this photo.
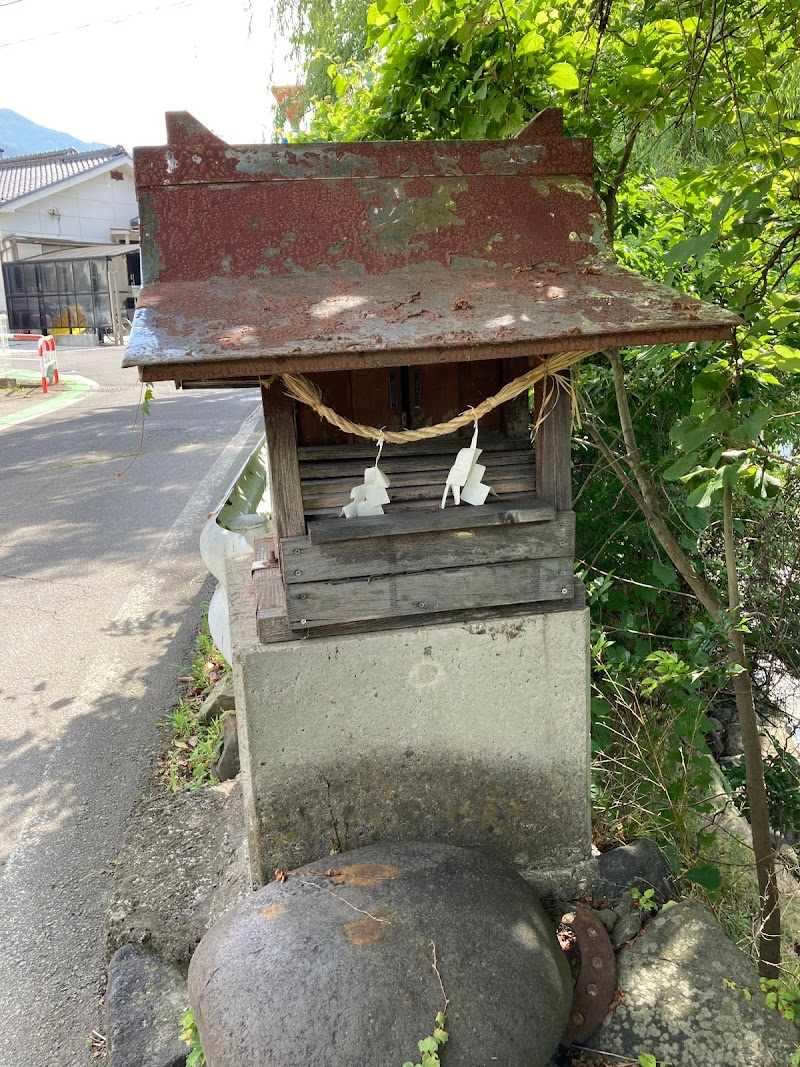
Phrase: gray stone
[219,700]
[628,924]
[227,765]
[641,865]
[675,1004]
[337,970]
[469,735]
[607,917]
[145,1000]
[182,865]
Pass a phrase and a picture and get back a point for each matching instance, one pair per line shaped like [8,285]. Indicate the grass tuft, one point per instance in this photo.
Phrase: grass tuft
[194,744]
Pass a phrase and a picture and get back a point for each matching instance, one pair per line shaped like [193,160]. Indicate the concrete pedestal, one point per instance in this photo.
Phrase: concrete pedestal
[474,735]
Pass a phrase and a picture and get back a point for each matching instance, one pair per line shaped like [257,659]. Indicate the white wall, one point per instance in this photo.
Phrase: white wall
[85,213]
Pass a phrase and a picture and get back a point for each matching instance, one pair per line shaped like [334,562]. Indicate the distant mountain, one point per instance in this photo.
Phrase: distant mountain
[20,137]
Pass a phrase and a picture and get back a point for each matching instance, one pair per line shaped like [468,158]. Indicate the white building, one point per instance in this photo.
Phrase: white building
[52,202]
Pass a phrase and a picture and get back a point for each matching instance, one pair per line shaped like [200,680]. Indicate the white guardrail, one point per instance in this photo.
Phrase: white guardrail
[241,518]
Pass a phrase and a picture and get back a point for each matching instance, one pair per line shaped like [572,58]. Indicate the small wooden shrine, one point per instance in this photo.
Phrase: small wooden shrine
[395,286]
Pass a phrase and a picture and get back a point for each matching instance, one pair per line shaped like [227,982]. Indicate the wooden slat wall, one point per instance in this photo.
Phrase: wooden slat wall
[490,443]
[415,478]
[433,393]
[494,584]
[307,562]
[506,512]
[418,562]
[470,616]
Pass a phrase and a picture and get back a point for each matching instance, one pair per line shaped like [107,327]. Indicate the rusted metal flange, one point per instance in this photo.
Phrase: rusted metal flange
[597,978]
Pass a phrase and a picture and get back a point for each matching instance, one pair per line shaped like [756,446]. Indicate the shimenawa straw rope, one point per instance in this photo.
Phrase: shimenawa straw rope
[308,393]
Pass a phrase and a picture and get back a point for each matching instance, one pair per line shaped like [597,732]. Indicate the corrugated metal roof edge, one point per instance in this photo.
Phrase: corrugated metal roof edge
[103,251]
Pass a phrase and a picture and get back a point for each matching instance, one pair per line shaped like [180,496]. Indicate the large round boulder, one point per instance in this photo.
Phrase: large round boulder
[335,965]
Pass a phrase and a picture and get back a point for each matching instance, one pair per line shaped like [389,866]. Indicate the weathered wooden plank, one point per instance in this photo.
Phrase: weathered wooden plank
[323,603]
[241,593]
[407,464]
[434,445]
[516,414]
[477,381]
[494,619]
[400,507]
[271,616]
[434,393]
[336,491]
[376,402]
[432,477]
[304,562]
[554,443]
[288,516]
[311,429]
[499,513]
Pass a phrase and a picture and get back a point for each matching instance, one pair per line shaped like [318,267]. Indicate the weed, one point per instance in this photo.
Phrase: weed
[429,1046]
[194,746]
[191,1036]
[783,996]
[645,900]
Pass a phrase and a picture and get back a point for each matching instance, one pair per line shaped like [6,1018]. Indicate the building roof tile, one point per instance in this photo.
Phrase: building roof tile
[22,175]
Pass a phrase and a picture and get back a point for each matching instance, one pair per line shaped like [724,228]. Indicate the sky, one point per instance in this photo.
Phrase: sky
[107,71]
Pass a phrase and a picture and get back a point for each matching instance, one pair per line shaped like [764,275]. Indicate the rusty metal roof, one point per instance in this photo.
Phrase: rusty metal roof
[265,258]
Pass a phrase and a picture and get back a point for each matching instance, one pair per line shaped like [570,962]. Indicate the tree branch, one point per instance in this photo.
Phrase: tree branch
[651,509]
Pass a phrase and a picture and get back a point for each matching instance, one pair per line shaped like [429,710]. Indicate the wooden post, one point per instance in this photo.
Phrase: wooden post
[288,517]
[515,414]
[553,443]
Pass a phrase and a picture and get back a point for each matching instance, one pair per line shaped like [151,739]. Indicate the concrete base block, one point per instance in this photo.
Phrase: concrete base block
[468,734]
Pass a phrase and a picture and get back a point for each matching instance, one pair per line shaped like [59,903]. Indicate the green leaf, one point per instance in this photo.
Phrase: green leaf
[693,248]
[497,106]
[532,42]
[690,436]
[666,574]
[710,382]
[685,465]
[646,1059]
[376,17]
[760,483]
[563,76]
[704,875]
[668,26]
[753,425]
[144,407]
[703,495]
[428,1044]
[789,358]
[645,74]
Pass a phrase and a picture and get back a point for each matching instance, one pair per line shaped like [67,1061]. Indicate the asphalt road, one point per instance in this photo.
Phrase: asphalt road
[101,587]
